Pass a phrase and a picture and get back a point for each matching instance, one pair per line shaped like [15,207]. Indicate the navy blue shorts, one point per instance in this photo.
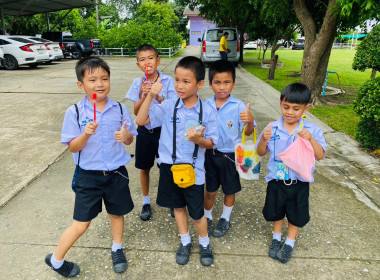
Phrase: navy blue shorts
[290,201]
[146,147]
[221,170]
[94,186]
[171,196]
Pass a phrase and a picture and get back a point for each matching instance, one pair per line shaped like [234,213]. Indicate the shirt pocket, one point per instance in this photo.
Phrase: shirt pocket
[112,127]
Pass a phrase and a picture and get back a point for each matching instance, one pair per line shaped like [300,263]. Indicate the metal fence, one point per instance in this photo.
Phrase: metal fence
[128,52]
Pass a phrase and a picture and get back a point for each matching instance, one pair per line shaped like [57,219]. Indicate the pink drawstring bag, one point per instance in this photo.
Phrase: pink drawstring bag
[299,156]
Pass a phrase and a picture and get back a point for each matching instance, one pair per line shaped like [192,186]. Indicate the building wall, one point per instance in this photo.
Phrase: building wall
[197,26]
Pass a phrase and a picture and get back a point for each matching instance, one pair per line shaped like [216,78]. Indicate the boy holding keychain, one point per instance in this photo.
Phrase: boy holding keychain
[287,192]
[100,178]
[148,137]
[233,116]
[188,128]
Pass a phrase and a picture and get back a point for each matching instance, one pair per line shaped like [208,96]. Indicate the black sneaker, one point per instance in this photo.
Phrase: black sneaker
[172,212]
[274,248]
[68,269]
[183,254]
[285,253]
[119,261]
[146,212]
[221,228]
[207,256]
[209,226]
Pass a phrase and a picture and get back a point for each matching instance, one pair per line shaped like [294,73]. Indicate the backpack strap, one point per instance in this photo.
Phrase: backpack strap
[77,110]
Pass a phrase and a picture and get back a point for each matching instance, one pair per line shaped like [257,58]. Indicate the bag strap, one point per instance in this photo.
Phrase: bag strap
[196,148]
[243,135]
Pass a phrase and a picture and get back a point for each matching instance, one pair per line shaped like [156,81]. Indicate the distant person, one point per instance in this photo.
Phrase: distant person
[148,137]
[223,50]
[188,128]
[287,192]
[98,150]
[220,166]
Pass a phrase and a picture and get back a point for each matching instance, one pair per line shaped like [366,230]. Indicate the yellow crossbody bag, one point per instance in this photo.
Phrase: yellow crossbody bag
[183,173]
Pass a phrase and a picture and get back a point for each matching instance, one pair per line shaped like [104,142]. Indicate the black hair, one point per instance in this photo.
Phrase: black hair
[146,47]
[193,64]
[296,93]
[90,63]
[225,33]
[221,66]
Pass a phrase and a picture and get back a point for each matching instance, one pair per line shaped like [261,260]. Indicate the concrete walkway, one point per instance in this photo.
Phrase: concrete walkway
[340,242]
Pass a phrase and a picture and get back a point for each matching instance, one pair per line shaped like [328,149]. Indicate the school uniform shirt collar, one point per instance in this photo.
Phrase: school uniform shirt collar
[110,103]
[196,106]
[280,124]
[230,99]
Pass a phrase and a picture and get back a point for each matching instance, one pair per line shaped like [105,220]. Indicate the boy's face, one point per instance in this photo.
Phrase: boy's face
[222,84]
[97,82]
[186,84]
[292,112]
[150,59]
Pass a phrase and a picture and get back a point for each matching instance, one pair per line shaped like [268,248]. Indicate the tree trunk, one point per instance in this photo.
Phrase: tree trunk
[373,74]
[317,46]
[259,51]
[272,68]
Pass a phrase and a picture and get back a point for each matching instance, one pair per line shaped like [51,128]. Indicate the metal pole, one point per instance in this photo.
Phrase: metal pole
[47,20]
[97,14]
[2,20]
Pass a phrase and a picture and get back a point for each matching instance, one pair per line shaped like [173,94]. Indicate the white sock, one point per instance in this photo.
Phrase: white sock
[204,241]
[277,236]
[290,242]
[146,199]
[208,214]
[115,246]
[227,212]
[56,264]
[185,239]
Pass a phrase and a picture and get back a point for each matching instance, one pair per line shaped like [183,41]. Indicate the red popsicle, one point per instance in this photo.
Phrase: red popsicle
[94,98]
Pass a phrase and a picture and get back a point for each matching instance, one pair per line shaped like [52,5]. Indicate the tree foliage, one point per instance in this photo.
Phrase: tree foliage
[368,53]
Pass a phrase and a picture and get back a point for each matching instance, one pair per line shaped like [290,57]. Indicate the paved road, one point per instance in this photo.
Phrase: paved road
[340,242]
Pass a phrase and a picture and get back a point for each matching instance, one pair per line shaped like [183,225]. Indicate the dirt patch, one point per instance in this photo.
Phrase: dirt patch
[346,98]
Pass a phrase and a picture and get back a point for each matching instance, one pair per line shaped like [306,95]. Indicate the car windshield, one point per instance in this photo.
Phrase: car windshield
[21,40]
[214,35]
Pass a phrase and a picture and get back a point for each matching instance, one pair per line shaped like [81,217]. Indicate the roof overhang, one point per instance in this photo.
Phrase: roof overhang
[31,7]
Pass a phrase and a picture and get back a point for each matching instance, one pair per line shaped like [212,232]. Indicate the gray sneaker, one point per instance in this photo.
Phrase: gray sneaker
[207,256]
[119,261]
[146,212]
[183,254]
[209,226]
[68,269]
[285,253]
[274,248]
[221,228]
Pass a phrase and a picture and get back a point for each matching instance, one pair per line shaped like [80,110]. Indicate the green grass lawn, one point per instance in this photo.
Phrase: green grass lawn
[341,117]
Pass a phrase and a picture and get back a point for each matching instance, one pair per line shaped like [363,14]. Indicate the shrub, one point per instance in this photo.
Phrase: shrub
[367,106]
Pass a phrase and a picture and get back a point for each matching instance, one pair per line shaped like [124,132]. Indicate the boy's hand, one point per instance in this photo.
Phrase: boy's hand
[267,133]
[246,116]
[193,135]
[122,135]
[145,88]
[304,133]
[90,128]
[156,89]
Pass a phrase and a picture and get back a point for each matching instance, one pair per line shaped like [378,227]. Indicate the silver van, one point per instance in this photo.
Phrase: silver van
[211,44]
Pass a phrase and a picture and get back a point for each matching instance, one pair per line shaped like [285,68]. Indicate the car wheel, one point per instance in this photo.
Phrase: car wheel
[76,55]
[10,62]
[33,65]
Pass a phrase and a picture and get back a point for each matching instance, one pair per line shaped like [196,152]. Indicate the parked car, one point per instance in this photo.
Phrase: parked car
[250,45]
[211,43]
[84,46]
[97,46]
[1,56]
[20,51]
[53,48]
[299,44]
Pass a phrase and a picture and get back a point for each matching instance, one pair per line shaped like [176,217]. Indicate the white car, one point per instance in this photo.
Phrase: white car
[53,48]
[250,45]
[20,51]
[1,56]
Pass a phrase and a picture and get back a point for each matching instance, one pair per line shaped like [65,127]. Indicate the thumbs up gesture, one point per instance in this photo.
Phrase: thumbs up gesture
[156,88]
[246,116]
[267,133]
[123,135]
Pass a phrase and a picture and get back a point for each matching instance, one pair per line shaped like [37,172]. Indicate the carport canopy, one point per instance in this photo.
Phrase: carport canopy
[31,7]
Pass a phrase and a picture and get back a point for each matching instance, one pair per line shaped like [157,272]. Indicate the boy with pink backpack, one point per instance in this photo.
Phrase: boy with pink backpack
[287,191]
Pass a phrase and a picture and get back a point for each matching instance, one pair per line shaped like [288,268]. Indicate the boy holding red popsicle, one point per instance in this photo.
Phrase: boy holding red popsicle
[148,137]
[96,130]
